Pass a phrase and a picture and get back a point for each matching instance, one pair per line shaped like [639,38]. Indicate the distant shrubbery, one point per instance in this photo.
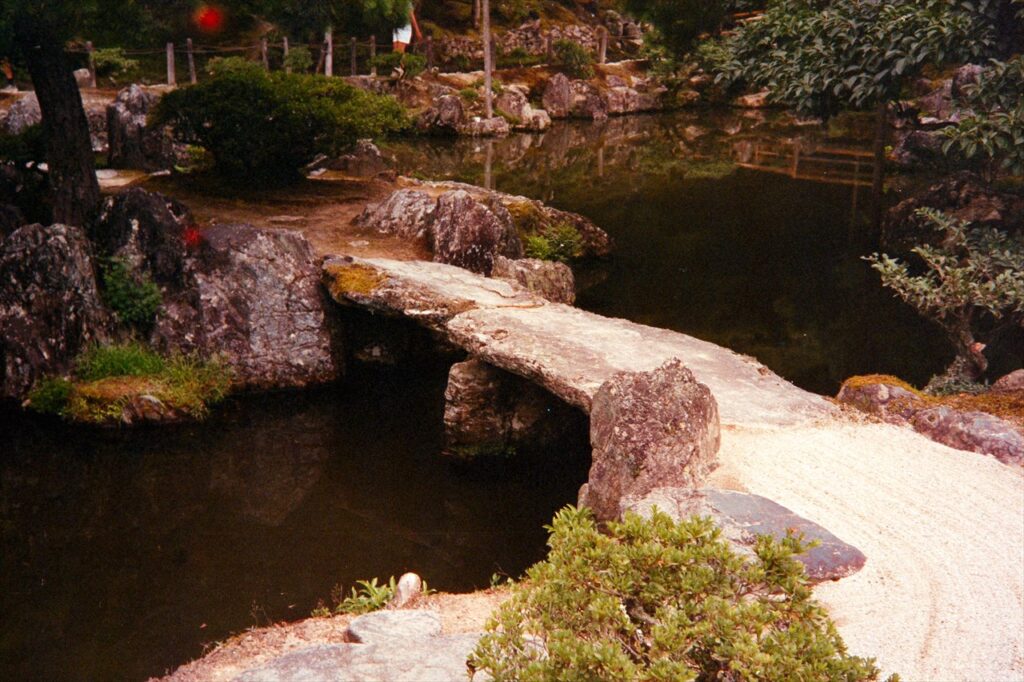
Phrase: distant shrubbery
[575,59]
[658,600]
[411,64]
[134,298]
[263,127]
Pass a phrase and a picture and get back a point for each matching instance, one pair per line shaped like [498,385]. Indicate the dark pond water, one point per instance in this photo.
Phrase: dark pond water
[123,553]
[737,228]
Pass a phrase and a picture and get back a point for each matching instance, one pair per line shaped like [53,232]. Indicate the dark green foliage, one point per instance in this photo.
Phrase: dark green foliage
[50,396]
[112,62]
[518,57]
[658,600]
[995,133]
[680,22]
[514,11]
[23,147]
[574,59]
[134,298]
[262,127]
[973,279]
[411,64]
[126,360]
[561,242]
[821,57]
[299,59]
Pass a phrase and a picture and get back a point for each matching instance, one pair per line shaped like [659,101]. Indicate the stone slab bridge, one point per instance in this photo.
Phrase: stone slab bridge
[941,595]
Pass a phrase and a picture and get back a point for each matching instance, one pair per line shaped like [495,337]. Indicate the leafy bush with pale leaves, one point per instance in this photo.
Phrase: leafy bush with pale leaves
[659,600]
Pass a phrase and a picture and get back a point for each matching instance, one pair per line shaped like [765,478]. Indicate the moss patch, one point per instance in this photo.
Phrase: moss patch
[353,279]
[1008,406]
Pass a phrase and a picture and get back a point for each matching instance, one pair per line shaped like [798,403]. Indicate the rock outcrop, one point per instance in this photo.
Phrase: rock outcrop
[649,430]
[443,117]
[489,412]
[558,97]
[554,281]
[969,430]
[132,143]
[22,114]
[364,161]
[252,296]
[470,233]
[50,308]
[469,214]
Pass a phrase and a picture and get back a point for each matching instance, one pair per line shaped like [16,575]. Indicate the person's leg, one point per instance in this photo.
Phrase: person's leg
[398,46]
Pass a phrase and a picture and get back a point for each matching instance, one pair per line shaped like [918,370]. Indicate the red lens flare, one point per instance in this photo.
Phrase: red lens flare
[193,237]
[209,18]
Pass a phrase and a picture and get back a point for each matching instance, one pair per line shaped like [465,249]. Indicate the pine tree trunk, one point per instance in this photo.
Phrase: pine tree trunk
[72,168]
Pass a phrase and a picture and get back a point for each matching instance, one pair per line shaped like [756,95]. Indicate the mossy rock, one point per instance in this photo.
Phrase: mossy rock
[346,280]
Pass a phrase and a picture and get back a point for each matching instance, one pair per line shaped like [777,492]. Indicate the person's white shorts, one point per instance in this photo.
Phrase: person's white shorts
[402,35]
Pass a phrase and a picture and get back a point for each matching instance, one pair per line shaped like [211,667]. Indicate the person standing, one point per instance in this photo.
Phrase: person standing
[402,36]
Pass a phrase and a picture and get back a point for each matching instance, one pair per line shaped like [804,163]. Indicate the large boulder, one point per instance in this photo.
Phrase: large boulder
[972,431]
[1009,383]
[743,517]
[960,195]
[881,396]
[491,412]
[50,307]
[443,117]
[253,297]
[131,143]
[558,96]
[554,281]
[406,213]
[495,126]
[919,149]
[364,161]
[649,430]
[470,233]
[147,230]
[22,114]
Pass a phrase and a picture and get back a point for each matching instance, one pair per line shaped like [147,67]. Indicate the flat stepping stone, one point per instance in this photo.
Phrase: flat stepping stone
[382,626]
[744,516]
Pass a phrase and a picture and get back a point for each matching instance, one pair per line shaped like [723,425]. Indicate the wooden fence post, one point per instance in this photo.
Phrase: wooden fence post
[430,52]
[92,64]
[373,55]
[264,55]
[287,66]
[548,48]
[191,61]
[171,79]
[602,45]
[355,64]
[329,59]
[486,32]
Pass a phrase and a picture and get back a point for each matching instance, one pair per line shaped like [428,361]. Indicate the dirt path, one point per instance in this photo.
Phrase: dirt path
[942,594]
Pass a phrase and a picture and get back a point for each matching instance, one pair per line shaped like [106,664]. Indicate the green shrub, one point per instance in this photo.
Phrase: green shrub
[575,59]
[412,64]
[134,298]
[561,242]
[657,600]
[469,94]
[365,596]
[515,11]
[120,360]
[299,59]
[111,62]
[679,22]
[518,56]
[50,395]
[261,128]
[974,277]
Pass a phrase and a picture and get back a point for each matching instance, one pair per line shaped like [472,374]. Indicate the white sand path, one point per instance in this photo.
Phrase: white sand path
[942,594]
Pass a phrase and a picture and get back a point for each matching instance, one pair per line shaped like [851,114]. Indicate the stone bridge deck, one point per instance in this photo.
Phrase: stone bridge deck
[568,351]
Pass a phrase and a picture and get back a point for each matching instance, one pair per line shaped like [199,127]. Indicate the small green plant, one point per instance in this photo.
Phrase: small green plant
[469,94]
[135,298]
[659,600]
[367,596]
[299,59]
[561,242]
[411,65]
[111,62]
[575,59]
[50,396]
[120,360]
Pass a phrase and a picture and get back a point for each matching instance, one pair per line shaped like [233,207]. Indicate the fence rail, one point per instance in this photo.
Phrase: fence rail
[360,54]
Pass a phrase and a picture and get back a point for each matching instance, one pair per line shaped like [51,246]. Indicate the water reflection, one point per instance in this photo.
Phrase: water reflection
[122,553]
[740,227]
